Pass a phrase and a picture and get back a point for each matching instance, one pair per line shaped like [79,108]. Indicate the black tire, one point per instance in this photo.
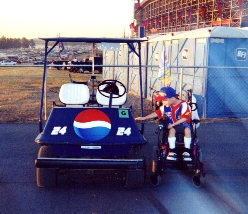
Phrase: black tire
[154,159]
[198,180]
[155,177]
[198,177]
[199,154]
[135,178]
[46,177]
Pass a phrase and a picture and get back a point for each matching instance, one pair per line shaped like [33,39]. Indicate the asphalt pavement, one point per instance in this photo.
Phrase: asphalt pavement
[224,148]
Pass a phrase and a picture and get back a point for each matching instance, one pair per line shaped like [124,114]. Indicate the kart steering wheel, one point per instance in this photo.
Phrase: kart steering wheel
[111,85]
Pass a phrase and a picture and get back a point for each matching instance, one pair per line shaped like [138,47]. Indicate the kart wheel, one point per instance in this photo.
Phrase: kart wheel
[46,177]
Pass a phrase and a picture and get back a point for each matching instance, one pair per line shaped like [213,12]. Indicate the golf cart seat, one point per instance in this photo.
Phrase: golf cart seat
[74,95]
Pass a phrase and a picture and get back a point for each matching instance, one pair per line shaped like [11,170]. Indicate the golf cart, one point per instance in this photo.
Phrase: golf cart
[90,130]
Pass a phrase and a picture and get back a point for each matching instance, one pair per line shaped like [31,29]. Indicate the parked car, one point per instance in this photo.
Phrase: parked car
[38,63]
[19,61]
[7,62]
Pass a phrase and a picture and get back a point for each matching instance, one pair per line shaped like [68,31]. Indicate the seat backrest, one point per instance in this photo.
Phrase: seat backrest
[74,94]
[116,101]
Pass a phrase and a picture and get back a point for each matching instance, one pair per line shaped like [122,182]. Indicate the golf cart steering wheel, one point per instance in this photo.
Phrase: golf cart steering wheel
[111,87]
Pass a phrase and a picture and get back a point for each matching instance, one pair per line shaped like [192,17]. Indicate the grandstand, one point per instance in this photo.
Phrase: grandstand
[162,16]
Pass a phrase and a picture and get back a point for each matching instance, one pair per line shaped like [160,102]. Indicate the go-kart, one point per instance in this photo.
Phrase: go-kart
[160,163]
[88,130]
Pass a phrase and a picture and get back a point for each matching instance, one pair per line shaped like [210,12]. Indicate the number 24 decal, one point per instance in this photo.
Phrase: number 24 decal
[58,130]
[122,130]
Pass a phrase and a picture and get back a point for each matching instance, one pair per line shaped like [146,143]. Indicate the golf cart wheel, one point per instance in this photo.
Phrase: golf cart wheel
[135,178]
[46,177]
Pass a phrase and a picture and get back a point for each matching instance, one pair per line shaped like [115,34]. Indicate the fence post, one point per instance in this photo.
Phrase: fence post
[128,63]
[181,83]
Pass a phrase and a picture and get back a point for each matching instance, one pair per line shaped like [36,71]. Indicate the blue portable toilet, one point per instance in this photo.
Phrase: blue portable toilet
[227,86]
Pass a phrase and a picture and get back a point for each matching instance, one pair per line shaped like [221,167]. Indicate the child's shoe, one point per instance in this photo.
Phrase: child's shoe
[186,156]
[172,156]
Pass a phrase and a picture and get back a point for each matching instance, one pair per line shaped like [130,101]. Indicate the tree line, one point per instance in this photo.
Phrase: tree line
[6,43]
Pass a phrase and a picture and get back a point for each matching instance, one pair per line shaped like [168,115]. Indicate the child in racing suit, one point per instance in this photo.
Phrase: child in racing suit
[179,115]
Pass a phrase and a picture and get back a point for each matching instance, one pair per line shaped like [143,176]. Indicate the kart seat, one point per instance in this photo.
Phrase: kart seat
[116,99]
[74,95]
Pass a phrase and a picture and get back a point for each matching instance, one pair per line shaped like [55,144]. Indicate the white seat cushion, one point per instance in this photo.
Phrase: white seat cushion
[74,94]
[116,101]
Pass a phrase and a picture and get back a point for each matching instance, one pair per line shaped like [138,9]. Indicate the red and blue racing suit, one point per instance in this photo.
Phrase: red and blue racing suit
[174,113]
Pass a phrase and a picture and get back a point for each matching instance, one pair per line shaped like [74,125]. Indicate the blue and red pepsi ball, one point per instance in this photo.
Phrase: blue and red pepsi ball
[92,125]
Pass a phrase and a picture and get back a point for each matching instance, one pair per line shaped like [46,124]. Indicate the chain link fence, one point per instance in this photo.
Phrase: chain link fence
[220,91]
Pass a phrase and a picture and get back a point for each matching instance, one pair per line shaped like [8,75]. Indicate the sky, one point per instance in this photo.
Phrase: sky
[74,18]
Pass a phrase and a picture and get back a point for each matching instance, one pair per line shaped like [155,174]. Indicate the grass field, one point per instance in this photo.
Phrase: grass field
[20,91]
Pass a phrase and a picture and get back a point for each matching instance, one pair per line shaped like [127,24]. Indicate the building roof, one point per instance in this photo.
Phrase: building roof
[95,40]
[213,32]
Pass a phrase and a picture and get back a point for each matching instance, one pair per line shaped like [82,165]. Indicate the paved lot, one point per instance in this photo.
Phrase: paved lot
[224,147]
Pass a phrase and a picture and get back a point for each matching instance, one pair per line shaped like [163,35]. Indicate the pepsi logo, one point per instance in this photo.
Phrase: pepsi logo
[92,125]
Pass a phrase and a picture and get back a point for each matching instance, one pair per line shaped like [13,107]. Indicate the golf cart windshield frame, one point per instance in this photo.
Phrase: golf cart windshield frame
[56,40]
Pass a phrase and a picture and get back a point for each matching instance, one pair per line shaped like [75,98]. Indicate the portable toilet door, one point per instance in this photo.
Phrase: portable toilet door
[227,81]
